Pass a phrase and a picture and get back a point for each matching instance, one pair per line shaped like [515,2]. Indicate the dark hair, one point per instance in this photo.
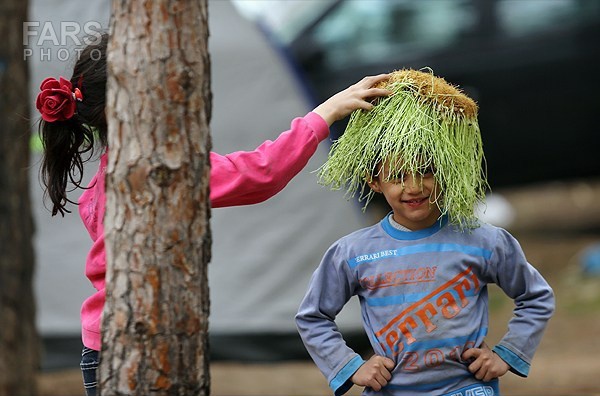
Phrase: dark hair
[69,144]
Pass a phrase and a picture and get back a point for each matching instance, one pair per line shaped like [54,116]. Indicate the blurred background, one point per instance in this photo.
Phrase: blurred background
[531,65]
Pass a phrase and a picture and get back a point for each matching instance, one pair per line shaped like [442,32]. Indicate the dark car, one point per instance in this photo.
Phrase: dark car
[533,66]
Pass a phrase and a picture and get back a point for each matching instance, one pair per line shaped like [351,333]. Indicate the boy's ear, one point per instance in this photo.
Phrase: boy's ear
[373,182]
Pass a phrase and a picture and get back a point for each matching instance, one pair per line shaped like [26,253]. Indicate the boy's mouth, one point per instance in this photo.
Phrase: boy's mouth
[413,203]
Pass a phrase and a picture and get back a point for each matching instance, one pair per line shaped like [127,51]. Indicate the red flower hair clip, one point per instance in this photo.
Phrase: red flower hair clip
[57,100]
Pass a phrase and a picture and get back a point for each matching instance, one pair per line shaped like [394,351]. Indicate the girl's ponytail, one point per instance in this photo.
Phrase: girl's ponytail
[66,144]
[73,123]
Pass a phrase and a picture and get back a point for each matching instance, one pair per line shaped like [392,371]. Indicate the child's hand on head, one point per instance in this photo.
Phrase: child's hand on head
[355,97]
[374,373]
[485,364]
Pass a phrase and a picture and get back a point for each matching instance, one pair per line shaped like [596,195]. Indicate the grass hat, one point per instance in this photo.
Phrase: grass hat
[425,122]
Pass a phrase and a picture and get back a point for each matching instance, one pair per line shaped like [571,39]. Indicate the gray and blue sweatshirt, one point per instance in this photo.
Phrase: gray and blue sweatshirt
[424,301]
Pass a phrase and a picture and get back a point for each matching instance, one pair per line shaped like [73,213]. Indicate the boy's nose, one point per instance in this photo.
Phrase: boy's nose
[412,184]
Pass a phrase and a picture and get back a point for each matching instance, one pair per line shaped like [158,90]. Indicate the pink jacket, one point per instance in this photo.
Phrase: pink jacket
[240,178]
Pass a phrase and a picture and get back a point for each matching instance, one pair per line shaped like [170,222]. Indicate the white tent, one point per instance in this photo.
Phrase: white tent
[262,255]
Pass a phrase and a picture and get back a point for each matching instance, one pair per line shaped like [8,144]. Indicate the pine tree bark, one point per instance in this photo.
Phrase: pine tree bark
[155,322]
[19,348]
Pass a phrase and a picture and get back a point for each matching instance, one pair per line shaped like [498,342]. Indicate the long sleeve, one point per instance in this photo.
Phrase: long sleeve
[534,304]
[240,178]
[330,288]
[249,177]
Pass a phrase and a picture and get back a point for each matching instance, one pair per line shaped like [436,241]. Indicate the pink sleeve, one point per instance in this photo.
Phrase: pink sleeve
[249,177]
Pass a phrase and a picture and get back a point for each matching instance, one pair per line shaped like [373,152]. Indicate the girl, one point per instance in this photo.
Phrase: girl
[74,125]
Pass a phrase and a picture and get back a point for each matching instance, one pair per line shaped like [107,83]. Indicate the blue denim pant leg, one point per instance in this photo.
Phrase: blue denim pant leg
[89,370]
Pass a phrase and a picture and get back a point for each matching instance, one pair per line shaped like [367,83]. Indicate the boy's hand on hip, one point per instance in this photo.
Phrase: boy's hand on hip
[374,373]
[485,364]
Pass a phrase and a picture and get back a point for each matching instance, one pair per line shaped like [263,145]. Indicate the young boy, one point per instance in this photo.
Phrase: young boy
[421,272]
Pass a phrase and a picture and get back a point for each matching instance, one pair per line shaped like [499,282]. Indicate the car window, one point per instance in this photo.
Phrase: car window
[517,18]
[358,31]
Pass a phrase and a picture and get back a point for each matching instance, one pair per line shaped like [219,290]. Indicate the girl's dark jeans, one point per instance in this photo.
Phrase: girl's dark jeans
[89,369]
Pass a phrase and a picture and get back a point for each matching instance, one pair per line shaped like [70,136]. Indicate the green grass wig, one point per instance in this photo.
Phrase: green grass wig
[426,122]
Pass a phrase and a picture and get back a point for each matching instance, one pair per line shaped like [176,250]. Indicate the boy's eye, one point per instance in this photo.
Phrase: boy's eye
[426,172]
[396,178]
[399,177]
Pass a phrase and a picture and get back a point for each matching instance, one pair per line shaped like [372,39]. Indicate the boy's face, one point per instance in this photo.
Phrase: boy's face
[412,197]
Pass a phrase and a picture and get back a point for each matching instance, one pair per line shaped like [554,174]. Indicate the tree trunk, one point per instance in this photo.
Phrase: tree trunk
[155,322]
[19,352]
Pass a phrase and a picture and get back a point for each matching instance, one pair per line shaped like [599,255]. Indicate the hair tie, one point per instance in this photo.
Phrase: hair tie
[57,99]
[77,95]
